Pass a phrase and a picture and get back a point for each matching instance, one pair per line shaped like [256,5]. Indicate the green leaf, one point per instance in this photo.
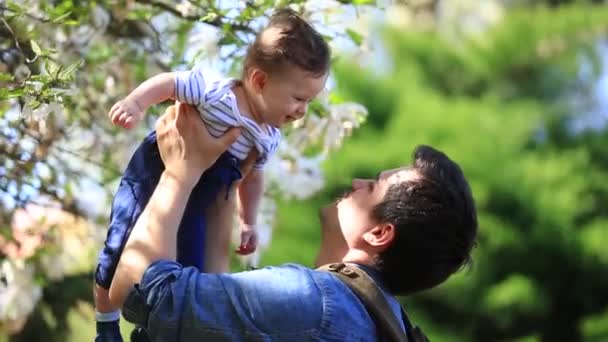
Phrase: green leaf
[71,22]
[336,98]
[52,68]
[316,107]
[355,36]
[364,2]
[7,93]
[66,74]
[61,17]
[14,7]
[6,232]
[140,14]
[34,104]
[4,77]
[209,17]
[36,48]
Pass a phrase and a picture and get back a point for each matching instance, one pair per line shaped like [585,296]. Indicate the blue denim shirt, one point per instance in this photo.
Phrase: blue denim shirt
[285,303]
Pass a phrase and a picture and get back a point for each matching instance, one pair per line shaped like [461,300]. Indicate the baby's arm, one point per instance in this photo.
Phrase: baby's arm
[184,86]
[250,193]
[129,111]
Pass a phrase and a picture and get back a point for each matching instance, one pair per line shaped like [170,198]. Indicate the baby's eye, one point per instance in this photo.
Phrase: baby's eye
[299,99]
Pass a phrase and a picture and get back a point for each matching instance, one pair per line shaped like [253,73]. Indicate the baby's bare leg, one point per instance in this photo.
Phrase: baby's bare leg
[107,317]
[102,300]
[220,221]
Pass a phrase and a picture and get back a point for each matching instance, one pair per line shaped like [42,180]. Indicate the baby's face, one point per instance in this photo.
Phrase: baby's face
[286,96]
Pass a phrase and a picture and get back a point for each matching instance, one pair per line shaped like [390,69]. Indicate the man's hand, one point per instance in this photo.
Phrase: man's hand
[126,113]
[186,147]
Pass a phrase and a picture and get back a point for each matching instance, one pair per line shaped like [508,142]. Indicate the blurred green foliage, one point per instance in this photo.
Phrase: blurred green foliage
[498,105]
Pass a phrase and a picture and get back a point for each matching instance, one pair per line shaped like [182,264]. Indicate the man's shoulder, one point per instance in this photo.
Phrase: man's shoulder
[298,280]
[284,271]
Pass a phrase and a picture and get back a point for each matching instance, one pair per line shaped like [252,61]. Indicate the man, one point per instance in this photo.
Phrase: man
[409,229]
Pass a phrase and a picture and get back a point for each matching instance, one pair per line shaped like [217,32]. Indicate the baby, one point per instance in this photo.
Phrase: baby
[284,69]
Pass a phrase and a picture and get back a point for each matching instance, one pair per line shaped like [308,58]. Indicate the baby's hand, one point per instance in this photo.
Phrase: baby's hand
[249,240]
[126,113]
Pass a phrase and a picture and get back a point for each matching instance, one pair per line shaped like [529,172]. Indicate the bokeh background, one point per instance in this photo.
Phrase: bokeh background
[515,91]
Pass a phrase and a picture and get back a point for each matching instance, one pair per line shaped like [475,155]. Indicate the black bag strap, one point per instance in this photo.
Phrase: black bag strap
[373,299]
[414,332]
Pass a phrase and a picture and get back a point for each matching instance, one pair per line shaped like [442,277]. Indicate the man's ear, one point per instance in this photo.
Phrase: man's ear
[381,235]
[259,79]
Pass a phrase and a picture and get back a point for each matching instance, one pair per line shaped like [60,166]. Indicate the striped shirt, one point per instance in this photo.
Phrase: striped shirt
[217,105]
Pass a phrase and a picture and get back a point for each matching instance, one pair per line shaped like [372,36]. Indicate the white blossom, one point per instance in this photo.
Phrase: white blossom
[206,40]
[344,117]
[18,292]
[293,174]
[100,17]
[331,129]
[82,35]
[50,116]
[186,8]
[69,237]
[61,37]
[109,84]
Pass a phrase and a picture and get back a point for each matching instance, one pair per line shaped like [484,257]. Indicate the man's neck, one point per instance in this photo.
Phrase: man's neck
[358,256]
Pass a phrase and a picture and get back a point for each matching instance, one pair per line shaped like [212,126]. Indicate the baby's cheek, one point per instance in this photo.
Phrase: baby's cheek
[293,108]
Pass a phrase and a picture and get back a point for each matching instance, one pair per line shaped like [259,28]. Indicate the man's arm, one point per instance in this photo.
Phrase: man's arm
[187,150]
[173,301]
[154,235]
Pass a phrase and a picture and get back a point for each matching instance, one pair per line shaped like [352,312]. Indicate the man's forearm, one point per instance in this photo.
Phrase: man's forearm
[153,237]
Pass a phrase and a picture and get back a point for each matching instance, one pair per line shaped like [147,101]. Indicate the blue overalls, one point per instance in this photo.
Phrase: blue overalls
[135,189]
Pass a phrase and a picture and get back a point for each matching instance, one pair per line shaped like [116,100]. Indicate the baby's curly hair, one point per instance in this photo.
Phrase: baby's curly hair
[299,45]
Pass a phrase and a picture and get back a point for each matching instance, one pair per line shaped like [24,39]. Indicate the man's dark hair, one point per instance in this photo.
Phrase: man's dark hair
[299,45]
[435,224]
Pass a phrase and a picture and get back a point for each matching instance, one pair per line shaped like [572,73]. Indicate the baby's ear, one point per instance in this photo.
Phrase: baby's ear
[247,164]
[259,78]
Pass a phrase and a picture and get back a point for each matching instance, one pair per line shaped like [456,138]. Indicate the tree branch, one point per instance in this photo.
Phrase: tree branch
[31,16]
[217,21]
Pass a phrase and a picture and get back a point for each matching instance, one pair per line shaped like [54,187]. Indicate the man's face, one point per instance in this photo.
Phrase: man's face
[344,221]
[354,211]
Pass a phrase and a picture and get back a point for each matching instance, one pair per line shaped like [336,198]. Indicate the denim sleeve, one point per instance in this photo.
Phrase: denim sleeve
[275,303]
